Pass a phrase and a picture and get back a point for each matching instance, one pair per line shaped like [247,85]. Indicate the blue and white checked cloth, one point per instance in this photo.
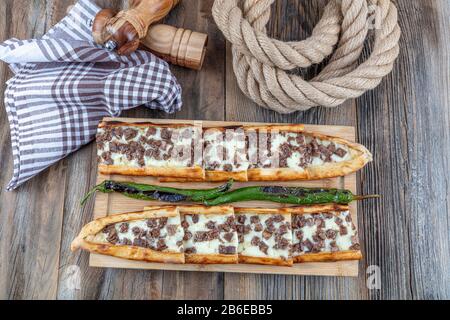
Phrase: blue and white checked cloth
[64,84]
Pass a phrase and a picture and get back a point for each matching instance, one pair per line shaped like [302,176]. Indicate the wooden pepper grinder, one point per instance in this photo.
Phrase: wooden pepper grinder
[178,46]
[125,30]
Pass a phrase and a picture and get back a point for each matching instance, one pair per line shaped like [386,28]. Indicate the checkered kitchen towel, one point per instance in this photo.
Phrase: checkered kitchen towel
[64,85]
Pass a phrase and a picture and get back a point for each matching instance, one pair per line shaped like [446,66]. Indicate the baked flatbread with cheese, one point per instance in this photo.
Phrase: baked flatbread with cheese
[287,153]
[150,150]
[209,234]
[265,236]
[154,235]
[276,153]
[323,233]
[224,154]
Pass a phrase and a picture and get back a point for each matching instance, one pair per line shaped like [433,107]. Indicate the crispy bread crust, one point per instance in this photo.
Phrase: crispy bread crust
[173,179]
[83,240]
[266,261]
[211,258]
[188,173]
[134,253]
[199,209]
[238,210]
[113,124]
[317,208]
[216,175]
[329,256]
[280,127]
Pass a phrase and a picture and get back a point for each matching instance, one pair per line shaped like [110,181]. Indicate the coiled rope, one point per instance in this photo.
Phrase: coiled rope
[261,64]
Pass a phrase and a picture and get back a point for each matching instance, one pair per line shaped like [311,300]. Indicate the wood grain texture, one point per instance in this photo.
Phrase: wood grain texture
[405,122]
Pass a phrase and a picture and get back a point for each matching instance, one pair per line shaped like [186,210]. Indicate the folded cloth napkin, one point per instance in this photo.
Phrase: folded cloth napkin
[64,84]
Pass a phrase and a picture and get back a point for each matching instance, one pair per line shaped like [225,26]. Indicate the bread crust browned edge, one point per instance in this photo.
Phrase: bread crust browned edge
[242,210]
[329,256]
[211,176]
[123,251]
[265,261]
[211,258]
[199,209]
[316,208]
[112,123]
[188,173]
[217,175]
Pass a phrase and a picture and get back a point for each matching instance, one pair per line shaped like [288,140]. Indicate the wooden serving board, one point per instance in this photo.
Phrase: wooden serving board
[113,203]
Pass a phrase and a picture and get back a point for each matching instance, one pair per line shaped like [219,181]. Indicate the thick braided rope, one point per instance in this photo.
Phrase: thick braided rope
[261,63]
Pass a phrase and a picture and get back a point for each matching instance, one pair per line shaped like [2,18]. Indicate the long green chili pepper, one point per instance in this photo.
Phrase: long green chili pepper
[288,195]
[152,192]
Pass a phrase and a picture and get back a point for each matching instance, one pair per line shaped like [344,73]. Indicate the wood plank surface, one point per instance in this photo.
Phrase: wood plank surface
[405,122]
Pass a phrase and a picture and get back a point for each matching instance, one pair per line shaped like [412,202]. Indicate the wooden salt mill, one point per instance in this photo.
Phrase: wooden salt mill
[124,30]
[178,46]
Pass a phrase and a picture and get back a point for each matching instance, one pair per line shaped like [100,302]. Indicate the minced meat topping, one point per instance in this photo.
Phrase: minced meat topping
[230,150]
[323,232]
[161,234]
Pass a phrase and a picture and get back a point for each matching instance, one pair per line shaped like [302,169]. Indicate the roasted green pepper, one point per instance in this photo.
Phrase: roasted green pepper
[288,195]
[153,192]
[222,195]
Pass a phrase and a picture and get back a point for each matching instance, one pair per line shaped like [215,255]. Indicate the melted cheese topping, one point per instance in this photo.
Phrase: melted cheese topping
[210,246]
[172,241]
[225,151]
[246,248]
[341,242]
[270,157]
[232,150]
[178,151]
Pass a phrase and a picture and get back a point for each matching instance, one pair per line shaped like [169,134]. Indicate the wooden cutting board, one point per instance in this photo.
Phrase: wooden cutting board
[112,203]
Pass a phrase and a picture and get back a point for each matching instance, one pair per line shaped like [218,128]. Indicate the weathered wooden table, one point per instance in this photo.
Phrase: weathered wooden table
[405,122]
